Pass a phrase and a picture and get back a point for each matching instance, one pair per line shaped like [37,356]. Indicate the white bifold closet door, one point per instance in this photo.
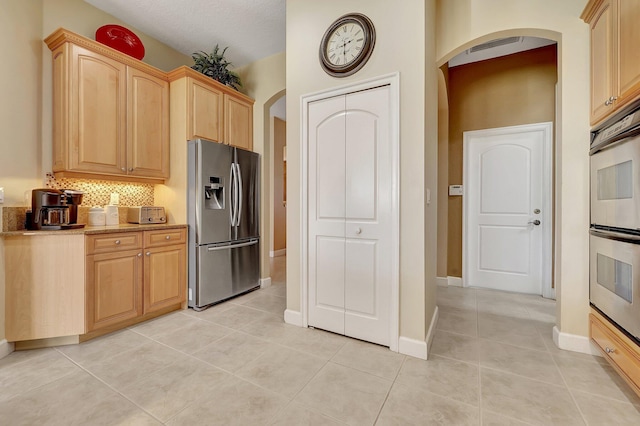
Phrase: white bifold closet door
[349,215]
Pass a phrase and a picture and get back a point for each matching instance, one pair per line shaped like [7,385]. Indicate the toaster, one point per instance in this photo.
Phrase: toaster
[146,214]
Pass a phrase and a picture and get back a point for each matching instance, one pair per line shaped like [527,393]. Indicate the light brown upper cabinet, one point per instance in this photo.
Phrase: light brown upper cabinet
[204,108]
[615,59]
[110,112]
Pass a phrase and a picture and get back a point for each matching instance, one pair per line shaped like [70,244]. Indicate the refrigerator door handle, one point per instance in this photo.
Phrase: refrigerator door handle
[239,177]
[232,201]
[250,243]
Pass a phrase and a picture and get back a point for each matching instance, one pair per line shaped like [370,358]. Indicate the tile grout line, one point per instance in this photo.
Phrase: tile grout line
[108,385]
[477,341]
[393,382]
[566,385]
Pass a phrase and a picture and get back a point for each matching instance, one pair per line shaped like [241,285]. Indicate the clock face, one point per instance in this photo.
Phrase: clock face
[347,45]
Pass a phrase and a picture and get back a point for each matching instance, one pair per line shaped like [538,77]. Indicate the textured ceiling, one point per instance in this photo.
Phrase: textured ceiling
[253,29]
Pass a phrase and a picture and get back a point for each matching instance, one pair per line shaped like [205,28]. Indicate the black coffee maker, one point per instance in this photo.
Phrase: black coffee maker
[51,209]
[74,199]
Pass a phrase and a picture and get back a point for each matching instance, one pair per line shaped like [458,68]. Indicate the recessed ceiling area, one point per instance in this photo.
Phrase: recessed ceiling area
[253,29]
[498,47]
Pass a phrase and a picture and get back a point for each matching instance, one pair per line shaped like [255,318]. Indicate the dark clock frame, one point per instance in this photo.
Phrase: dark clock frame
[362,58]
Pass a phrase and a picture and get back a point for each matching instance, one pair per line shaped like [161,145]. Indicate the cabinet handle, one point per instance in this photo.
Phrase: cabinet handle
[148,253]
[168,237]
[131,169]
[139,254]
[609,350]
[124,169]
[117,242]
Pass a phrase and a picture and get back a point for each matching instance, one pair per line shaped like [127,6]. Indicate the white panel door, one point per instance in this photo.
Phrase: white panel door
[368,216]
[505,208]
[349,216]
[327,121]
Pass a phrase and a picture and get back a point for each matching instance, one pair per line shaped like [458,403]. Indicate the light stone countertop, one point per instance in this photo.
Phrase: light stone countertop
[93,230]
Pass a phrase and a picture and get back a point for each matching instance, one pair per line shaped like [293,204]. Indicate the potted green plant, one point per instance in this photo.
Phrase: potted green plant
[215,66]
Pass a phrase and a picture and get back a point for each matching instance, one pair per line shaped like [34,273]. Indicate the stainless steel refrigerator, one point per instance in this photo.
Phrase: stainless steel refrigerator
[223,207]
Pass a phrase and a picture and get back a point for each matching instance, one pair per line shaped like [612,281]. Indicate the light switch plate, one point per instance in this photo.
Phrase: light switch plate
[455,190]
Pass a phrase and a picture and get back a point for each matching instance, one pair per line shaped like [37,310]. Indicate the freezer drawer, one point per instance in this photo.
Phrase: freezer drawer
[221,271]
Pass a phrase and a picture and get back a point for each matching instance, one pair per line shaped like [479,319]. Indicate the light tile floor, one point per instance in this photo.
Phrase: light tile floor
[492,363]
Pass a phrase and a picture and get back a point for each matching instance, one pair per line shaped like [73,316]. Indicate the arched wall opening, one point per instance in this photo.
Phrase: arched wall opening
[267,193]
[571,165]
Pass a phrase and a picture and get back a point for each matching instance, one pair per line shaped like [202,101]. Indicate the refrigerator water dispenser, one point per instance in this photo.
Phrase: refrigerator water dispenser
[214,194]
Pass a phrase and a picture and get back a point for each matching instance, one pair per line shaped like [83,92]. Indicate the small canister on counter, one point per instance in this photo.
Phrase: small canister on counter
[97,216]
[111,214]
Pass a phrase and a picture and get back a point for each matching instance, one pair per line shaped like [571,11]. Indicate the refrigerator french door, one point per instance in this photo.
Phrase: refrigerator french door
[223,216]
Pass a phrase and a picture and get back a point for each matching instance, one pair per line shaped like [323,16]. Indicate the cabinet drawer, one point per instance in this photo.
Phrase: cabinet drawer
[105,243]
[620,351]
[165,237]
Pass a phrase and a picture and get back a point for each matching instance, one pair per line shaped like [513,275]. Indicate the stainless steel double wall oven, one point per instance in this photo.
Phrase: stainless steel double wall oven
[614,241]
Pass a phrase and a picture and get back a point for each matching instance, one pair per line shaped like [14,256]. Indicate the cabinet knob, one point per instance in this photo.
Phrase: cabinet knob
[148,253]
[611,100]
[609,350]
[117,242]
[168,237]
[358,231]
[124,169]
[130,169]
[139,254]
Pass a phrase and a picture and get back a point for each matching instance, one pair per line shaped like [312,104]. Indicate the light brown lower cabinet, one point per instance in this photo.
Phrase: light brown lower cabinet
[113,288]
[75,286]
[127,283]
[618,349]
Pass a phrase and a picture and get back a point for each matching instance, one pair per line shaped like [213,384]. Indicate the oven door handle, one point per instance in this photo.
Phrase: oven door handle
[617,236]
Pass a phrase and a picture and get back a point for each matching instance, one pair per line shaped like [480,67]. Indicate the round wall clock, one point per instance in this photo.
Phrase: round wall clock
[347,45]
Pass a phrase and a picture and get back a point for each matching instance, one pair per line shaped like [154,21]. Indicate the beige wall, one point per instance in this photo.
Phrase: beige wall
[84,19]
[279,223]
[506,91]
[264,81]
[400,46]
[20,94]
[443,173]
[464,23]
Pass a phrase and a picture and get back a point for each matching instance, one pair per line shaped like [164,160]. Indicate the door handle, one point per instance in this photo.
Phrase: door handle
[240,189]
[534,222]
[358,231]
[232,246]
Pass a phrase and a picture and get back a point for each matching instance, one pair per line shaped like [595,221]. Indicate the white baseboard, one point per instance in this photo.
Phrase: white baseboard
[5,348]
[442,281]
[573,342]
[432,329]
[412,347]
[454,281]
[293,317]
[265,282]
[278,253]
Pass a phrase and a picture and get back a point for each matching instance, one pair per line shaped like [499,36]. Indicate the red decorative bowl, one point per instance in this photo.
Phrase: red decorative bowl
[120,38]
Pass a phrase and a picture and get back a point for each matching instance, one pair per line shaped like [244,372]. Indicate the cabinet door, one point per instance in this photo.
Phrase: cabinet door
[602,61]
[238,122]
[628,53]
[97,113]
[205,120]
[113,287]
[147,125]
[164,277]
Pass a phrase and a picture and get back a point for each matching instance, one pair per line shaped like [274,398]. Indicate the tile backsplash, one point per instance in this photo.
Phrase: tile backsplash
[98,192]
